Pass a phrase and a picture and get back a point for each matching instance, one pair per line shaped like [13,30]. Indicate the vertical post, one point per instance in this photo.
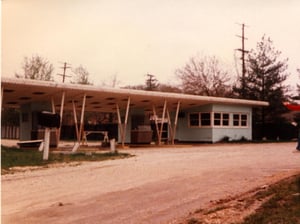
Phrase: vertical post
[61,115]
[53,105]
[175,121]
[125,122]
[81,129]
[46,143]
[162,122]
[75,120]
[2,90]
[170,125]
[155,121]
[119,121]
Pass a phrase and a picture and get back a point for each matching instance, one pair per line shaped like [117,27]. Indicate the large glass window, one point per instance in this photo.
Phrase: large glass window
[205,119]
[221,119]
[240,120]
[194,120]
[217,119]
[199,119]
[225,119]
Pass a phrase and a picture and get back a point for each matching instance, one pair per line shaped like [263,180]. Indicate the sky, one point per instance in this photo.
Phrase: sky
[129,39]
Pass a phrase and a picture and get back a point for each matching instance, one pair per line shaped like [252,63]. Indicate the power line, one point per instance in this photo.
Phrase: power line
[64,71]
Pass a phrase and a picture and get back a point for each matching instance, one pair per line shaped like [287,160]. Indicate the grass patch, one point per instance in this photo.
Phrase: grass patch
[12,157]
[283,205]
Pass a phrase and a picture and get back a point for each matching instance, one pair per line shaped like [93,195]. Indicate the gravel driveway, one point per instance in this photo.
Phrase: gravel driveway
[158,185]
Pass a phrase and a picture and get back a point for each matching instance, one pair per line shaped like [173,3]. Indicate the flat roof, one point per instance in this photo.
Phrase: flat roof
[16,92]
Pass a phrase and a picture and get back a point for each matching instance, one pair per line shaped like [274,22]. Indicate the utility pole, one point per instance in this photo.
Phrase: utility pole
[151,82]
[64,71]
[243,51]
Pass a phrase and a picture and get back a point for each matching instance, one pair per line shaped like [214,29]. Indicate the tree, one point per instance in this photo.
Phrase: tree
[81,76]
[264,80]
[204,76]
[37,68]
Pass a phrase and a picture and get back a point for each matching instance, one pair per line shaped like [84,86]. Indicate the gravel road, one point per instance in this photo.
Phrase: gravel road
[158,185]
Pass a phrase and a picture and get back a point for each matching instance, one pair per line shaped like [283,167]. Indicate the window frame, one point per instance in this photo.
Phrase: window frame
[241,122]
[221,120]
[224,120]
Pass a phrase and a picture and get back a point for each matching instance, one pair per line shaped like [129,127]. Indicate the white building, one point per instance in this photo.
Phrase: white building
[186,118]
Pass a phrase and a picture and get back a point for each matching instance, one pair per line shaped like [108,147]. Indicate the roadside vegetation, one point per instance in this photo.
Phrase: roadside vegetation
[278,203]
[283,205]
[20,157]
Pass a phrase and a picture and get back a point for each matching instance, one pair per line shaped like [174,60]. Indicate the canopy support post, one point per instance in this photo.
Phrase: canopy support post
[81,128]
[123,126]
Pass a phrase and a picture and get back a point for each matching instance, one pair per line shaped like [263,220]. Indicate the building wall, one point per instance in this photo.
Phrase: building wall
[214,133]
[28,120]
[233,133]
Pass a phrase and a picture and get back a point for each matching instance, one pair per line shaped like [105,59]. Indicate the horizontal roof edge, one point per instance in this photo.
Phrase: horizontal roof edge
[132,92]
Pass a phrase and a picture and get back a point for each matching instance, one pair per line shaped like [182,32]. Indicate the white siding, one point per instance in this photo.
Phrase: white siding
[215,133]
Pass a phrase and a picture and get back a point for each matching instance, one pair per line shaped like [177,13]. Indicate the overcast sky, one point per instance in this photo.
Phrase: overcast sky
[129,39]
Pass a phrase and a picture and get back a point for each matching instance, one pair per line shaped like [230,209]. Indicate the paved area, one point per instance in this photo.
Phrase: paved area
[158,185]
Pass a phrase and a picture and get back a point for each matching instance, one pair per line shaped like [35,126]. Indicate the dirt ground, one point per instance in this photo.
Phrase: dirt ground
[158,185]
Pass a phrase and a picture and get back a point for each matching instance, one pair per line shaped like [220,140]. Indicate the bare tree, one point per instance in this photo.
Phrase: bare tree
[203,76]
[36,67]
[81,76]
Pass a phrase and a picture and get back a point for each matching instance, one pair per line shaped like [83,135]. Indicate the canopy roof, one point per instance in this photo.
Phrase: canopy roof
[16,92]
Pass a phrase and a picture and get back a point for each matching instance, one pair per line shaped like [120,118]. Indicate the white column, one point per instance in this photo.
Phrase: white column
[46,143]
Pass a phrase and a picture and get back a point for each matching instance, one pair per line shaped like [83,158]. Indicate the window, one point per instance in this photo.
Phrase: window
[244,121]
[217,119]
[194,120]
[236,119]
[240,120]
[221,119]
[225,119]
[205,119]
[199,119]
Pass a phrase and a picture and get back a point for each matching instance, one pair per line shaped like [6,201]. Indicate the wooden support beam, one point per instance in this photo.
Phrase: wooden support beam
[52,105]
[155,121]
[61,116]
[162,122]
[169,125]
[123,126]
[81,128]
[175,122]
[75,120]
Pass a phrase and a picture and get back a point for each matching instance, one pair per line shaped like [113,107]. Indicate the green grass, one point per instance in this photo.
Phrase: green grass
[283,205]
[12,157]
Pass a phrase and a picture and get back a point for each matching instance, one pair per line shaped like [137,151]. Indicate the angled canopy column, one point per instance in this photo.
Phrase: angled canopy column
[123,126]
[75,120]
[61,116]
[159,129]
[81,126]
[174,125]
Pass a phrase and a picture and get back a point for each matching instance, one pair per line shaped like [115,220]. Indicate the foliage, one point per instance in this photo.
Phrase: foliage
[204,76]
[11,157]
[264,81]
[282,207]
[81,76]
[37,68]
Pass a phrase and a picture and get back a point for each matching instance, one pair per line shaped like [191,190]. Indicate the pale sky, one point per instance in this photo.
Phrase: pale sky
[132,38]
